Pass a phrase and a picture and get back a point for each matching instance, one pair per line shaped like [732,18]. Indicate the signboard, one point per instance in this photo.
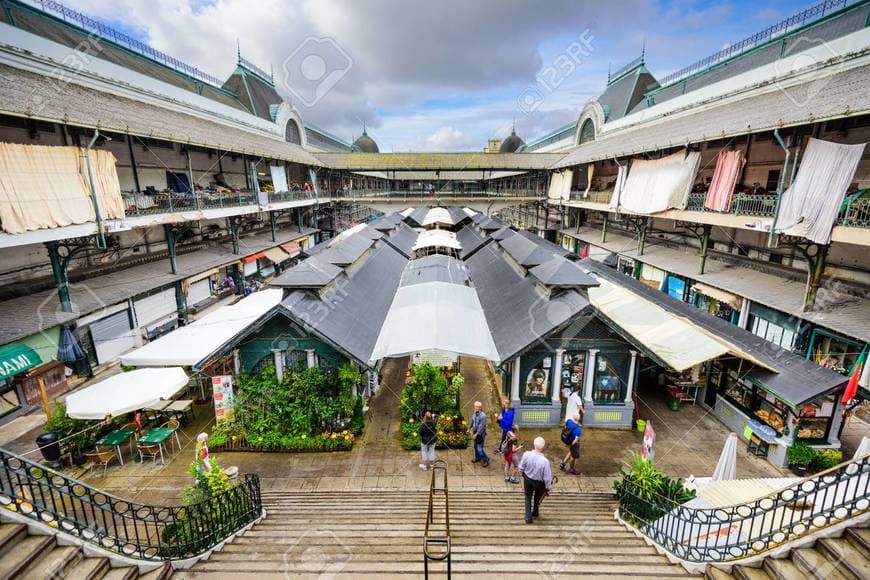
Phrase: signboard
[224,401]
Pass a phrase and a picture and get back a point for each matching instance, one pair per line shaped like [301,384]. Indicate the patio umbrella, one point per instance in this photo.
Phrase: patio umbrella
[726,469]
[125,392]
[863,448]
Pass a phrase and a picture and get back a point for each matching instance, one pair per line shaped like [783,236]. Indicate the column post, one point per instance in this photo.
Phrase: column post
[278,357]
[743,321]
[310,359]
[557,376]
[515,380]
[273,225]
[705,246]
[632,376]
[589,375]
[61,282]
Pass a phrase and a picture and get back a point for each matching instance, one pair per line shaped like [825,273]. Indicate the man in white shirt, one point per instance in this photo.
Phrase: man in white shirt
[575,405]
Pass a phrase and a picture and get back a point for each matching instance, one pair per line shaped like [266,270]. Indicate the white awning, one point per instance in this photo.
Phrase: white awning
[437,239]
[736,302]
[435,316]
[194,343]
[673,339]
[437,215]
[125,392]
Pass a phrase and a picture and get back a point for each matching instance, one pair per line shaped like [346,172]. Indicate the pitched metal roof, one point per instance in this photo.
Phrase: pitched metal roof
[562,273]
[470,239]
[87,107]
[526,252]
[761,108]
[402,238]
[310,273]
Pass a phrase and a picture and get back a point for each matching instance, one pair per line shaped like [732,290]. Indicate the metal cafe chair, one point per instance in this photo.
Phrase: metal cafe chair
[100,457]
[174,424]
[150,451]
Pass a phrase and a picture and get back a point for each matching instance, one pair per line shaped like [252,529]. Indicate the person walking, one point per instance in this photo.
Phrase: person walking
[575,404]
[428,438]
[537,478]
[510,449]
[478,434]
[571,437]
[506,420]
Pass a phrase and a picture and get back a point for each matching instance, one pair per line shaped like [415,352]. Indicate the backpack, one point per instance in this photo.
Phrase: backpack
[567,435]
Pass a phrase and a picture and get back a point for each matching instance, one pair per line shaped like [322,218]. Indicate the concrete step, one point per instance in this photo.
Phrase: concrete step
[749,573]
[860,538]
[24,552]
[783,569]
[713,573]
[122,573]
[848,558]
[815,564]
[88,569]
[10,534]
[54,563]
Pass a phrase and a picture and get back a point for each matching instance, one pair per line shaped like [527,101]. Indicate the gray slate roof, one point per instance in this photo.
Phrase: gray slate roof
[435,268]
[526,252]
[402,239]
[470,239]
[310,273]
[87,107]
[562,273]
[845,93]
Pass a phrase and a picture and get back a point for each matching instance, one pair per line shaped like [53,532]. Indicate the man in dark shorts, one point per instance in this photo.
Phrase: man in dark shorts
[571,437]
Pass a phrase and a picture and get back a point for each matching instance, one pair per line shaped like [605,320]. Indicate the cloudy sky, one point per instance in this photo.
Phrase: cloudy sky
[445,75]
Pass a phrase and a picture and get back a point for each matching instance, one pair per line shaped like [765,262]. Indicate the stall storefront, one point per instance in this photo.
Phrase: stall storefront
[833,351]
[15,358]
[675,286]
[717,302]
[770,421]
[652,276]
[773,326]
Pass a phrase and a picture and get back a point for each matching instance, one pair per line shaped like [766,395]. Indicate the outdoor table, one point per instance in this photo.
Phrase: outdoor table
[181,407]
[158,405]
[115,439]
[157,436]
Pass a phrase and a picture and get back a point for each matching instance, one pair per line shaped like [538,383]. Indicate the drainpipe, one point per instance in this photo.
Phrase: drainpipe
[101,236]
[782,144]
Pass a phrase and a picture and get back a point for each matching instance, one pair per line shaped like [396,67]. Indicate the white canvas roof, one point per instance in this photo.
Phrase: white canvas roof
[437,238]
[125,392]
[194,343]
[435,316]
[674,339]
[437,215]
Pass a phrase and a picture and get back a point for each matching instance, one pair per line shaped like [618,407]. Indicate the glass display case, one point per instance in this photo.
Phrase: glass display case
[814,419]
[572,370]
[536,387]
[606,386]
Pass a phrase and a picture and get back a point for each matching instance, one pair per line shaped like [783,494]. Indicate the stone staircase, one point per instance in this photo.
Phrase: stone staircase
[843,558]
[323,534]
[24,555]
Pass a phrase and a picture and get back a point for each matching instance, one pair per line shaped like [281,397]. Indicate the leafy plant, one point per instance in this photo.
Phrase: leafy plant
[826,459]
[800,455]
[428,389]
[78,434]
[645,493]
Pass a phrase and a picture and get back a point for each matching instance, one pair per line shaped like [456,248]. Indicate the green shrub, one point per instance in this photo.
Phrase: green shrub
[645,493]
[427,389]
[826,459]
[77,434]
[800,455]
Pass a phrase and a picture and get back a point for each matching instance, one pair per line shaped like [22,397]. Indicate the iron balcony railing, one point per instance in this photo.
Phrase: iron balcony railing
[430,195]
[855,213]
[436,536]
[747,529]
[139,204]
[789,24]
[135,530]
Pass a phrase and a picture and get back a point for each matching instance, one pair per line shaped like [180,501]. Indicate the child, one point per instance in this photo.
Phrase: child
[510,453]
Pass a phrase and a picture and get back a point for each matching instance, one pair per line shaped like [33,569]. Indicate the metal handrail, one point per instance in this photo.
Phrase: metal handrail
[135,530]
[746,529]
[429,539]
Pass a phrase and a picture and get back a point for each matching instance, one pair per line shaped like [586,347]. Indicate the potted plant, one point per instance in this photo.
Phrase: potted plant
[76,435]
[799,456]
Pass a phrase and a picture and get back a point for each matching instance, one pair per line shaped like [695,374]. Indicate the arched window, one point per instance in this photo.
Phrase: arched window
[292,133]
[587,131]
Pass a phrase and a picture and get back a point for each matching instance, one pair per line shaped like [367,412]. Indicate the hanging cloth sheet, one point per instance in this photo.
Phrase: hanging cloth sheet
[555,191]
[46,187]
[590,169]
[811,203]
[729,164]
[655,185]
[567,179]
[621,174]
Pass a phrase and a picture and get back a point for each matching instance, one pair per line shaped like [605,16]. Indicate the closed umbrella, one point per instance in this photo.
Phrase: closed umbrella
[70,351]
[726,469]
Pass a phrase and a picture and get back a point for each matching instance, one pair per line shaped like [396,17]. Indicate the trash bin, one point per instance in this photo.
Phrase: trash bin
[48,445]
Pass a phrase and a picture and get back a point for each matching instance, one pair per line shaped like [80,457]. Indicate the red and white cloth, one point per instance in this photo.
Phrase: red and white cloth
[725,176]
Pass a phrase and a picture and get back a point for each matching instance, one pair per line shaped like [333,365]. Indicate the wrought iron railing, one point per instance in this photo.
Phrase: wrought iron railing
[430,195]
[135,530]
[856,213]
[436,543]
[797,20]
[754,204]
[747,529]
[138,204]
[109,33]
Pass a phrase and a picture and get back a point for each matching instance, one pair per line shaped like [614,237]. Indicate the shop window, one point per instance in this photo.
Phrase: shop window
[572,371]
[536,387]
[295,360]
[772,332]
[814,418]
[833,352]
[607,387]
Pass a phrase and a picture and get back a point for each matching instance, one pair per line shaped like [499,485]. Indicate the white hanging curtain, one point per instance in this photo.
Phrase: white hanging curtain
[567,180]
[555,191]
[621,174]
[656,185]
[279,177]
[590,169]
[811,204]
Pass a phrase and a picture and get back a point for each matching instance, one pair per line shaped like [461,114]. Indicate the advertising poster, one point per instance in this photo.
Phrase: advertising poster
[222,387]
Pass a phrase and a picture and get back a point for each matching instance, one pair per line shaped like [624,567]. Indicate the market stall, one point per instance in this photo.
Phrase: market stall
[125,392]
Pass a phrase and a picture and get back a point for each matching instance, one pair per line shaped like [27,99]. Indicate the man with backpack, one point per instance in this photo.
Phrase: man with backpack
[428,438]
[571,434]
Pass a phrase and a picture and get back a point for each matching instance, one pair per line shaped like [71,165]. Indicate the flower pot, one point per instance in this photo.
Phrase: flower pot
[641,425]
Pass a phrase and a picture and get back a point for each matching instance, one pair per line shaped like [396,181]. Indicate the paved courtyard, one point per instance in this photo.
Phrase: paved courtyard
[688,442]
